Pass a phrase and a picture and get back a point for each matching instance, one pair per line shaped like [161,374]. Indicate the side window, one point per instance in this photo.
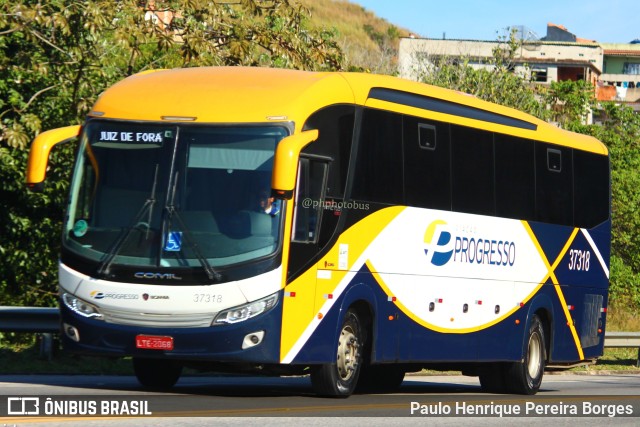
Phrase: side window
[591,172]
[515,177]
[472,171]
[378,173]
[312,177]
[554,184]
[427,159]
[335,126]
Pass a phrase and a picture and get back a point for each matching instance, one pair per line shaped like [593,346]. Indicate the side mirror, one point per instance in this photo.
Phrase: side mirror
[39,153]
[285,165]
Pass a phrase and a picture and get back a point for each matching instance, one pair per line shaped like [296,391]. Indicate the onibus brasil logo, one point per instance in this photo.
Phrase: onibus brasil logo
[441,247]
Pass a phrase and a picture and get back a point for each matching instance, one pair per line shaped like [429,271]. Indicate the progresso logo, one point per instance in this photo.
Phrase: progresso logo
[112,295]
[436,247]
[441,247]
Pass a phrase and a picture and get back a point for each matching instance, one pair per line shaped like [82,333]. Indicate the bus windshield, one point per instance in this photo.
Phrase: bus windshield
[159,195]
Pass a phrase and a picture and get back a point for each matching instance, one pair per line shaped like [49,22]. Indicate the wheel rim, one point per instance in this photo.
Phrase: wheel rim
[535,351]
[347,353]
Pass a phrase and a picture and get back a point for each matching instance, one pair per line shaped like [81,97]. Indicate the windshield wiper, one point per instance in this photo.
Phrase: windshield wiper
[103,268]
[170,207]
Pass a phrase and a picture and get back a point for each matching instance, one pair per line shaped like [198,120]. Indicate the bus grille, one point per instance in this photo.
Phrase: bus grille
[174,320]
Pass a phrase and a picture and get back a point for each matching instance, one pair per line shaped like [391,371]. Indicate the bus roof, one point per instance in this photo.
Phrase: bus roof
[258,95]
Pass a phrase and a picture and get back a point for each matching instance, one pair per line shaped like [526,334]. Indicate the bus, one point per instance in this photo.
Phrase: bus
[347,226]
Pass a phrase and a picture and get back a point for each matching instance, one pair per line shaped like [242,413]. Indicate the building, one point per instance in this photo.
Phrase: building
[620,78]
[612,69]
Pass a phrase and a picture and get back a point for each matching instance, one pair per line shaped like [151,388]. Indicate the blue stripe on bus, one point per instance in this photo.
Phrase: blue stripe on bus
[405,341]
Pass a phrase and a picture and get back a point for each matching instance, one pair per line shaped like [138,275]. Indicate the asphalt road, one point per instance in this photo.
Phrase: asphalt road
[225,400]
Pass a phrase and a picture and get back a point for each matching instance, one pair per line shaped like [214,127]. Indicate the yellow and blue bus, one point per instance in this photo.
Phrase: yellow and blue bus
[349,226]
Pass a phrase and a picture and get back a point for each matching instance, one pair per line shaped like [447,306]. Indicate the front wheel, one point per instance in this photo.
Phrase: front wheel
[156,373]
[339,379]
[525,377]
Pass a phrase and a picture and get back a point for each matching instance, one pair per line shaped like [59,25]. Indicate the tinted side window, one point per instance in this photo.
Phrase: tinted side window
[378,173]
[335,126]
[515,177]
[427,158]
[554,184]
[591,199]
[310,190]
[472,170]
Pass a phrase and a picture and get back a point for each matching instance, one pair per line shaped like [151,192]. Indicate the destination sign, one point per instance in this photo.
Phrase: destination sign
[142,137]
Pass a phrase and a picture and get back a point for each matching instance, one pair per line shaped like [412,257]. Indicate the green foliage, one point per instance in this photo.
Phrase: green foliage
[56,57]
[369,43]
[570,102]
[620,131]
[625,288]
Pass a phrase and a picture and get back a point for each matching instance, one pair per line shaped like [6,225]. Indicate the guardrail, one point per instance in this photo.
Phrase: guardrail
[623,340]
[46,320]
[29,319]
[42,320]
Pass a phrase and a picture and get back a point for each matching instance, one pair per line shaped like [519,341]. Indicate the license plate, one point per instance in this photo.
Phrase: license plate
[154,342]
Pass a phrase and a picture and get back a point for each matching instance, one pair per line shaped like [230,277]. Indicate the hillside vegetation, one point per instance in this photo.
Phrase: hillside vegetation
[368,41]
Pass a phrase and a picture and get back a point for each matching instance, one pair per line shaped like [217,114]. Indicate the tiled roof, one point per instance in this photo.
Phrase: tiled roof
[616,52]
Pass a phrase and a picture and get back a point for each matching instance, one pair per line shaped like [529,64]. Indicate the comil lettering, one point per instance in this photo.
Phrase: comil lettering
[161,276]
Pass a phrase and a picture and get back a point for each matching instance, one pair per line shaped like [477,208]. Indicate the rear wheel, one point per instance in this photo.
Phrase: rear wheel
[156,373]
[525,377]
[339,379]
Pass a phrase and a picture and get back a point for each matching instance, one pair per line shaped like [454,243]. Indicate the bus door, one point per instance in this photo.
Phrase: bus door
[308,213]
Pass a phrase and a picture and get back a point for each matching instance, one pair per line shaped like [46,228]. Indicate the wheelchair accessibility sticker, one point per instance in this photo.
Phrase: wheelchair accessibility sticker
[173,241]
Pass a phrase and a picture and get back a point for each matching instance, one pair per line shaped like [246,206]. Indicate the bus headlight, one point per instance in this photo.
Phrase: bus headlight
[246,311]
[81,307]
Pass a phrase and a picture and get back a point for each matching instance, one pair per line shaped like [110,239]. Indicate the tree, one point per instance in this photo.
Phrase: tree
[57,56]
[570,102]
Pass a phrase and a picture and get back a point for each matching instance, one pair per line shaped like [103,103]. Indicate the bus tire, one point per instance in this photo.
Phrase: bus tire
[525,377]
[156,373]
[339,379]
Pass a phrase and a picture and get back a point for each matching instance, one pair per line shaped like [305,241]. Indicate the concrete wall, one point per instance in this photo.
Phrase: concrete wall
[414,54]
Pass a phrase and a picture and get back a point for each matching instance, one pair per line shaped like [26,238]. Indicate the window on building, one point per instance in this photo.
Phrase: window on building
[631,68]
[539,75]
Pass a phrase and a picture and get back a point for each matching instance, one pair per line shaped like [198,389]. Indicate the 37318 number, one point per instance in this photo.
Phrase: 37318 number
[207,298]
[579,260]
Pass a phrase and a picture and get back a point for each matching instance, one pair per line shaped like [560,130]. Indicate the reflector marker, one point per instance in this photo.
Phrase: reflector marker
[391,299]
[290,294]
